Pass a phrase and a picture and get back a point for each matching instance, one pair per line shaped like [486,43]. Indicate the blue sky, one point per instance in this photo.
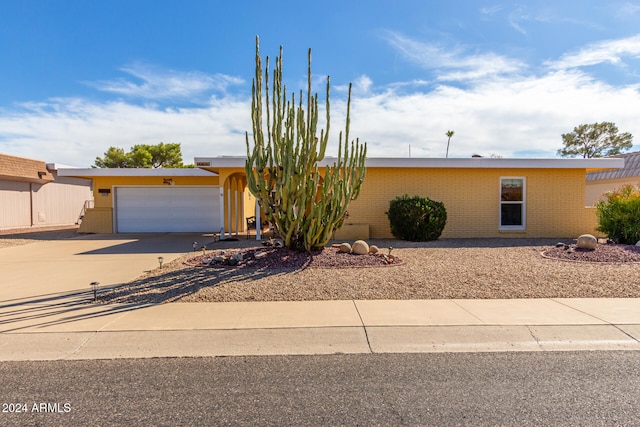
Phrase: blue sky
[508,77]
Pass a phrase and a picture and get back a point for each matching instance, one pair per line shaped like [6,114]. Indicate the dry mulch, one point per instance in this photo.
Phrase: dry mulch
[283,258]
[608,253]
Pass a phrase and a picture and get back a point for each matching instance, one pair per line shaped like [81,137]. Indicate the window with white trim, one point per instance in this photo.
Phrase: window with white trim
[512,203]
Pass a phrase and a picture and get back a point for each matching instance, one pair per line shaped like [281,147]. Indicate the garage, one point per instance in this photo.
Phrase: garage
[167,209]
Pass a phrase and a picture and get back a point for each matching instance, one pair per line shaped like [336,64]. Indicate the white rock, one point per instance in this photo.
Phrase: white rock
[360,247]
[587,241]
[373,249]
[345,248]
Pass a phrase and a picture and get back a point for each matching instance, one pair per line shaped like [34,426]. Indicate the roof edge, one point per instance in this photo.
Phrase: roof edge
[421,162]
[132,172]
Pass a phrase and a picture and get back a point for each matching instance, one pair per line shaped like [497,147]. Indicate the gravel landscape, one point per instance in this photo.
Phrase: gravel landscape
[447,268]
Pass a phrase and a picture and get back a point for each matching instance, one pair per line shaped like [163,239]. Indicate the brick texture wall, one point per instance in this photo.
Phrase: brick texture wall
[554,200]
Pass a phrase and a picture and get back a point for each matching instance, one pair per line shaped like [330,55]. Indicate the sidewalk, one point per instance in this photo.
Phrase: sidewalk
[76,328]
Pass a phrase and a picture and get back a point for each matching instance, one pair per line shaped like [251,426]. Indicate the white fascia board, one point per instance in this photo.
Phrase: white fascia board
[463,163]
[138,172]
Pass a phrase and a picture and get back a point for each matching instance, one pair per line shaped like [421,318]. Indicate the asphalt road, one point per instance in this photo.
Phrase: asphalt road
[479,389]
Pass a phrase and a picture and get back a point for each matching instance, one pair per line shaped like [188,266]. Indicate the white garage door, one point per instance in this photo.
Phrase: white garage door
[167,209]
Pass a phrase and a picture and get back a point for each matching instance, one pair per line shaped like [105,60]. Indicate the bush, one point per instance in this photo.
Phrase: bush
[416,218]
[619,214]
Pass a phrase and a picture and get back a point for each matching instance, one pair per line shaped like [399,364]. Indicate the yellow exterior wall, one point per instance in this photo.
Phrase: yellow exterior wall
[554,200]
[97,220]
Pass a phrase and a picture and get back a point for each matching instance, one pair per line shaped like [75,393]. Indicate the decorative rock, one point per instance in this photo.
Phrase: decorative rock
[278,243]
[345,248]
[638,243]
[373,249]
[360,247]
[587,241]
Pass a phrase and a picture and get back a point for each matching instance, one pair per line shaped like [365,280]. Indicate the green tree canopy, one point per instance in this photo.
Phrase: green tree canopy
[595,140]
[143,156]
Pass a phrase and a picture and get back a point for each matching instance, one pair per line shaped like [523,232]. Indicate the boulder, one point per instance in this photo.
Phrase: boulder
[345,248]
[638,243]
[360,247]
[373,249]
[587,241]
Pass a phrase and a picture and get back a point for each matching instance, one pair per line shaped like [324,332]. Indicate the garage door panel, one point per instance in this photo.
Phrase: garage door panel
[167,209]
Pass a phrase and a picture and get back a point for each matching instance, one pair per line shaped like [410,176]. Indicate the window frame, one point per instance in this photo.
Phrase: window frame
[523,203]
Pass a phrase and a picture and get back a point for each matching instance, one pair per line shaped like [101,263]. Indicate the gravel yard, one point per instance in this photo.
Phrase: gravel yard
[24,236]
[448,268]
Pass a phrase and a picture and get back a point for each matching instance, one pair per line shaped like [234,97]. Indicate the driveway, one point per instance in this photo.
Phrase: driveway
[41,270]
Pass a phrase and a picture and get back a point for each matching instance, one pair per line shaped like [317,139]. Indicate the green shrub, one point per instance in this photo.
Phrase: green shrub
[619,214]
[416,218]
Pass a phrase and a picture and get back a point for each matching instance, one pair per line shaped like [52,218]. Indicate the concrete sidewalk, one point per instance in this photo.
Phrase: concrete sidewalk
[79,329]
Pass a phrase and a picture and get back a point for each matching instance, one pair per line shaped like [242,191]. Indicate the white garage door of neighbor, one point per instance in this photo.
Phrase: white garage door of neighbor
[167,209]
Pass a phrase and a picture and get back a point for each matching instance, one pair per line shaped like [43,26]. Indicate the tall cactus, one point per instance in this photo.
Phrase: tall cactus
[302,204]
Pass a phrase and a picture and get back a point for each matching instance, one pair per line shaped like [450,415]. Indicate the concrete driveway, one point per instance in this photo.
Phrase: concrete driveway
[44,269]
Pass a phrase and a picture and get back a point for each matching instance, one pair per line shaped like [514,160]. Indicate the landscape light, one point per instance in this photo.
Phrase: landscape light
[94,286]
[160,259]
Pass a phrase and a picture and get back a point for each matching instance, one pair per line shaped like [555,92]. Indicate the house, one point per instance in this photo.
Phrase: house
[484,197]
[477,193]
[32,194]
[151,200]
[599,182]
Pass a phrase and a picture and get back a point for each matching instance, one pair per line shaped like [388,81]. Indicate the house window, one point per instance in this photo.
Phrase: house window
[512,203]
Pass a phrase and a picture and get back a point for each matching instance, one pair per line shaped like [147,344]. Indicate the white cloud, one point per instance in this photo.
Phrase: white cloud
[519,117]
[609,51]
[453,63]
[161,84]
[75,131]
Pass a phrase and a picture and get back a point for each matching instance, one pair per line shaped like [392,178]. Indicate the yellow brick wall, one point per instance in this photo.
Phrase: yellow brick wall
[554,200]
[97,220]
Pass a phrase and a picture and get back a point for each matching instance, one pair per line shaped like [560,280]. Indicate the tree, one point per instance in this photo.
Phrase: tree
[143,156]
[449,134]
[303,206]
[595,140]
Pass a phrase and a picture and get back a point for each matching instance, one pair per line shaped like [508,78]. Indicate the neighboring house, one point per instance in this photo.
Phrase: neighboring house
[600,182]
[151,200]
[33,195]
[483,197]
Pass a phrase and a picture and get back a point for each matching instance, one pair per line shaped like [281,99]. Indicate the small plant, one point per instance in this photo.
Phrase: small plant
[619,214]
[417,219]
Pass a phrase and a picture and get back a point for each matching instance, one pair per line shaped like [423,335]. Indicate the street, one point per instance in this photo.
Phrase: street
[479,389]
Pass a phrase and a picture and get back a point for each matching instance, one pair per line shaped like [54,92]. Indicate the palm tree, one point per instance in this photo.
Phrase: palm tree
[449,135]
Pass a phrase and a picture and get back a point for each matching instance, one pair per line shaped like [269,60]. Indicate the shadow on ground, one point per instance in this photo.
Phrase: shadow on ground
[54,309]
[176,285]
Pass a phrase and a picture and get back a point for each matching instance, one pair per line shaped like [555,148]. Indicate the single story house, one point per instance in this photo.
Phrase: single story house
[484,197]
[600,182]
[32,194]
